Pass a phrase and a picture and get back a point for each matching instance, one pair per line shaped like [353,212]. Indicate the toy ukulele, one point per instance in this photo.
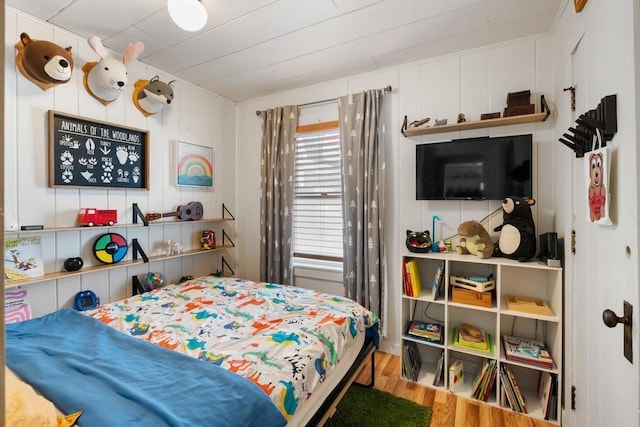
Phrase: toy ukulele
[192,211]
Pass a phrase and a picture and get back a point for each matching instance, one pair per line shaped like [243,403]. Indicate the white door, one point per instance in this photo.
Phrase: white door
[604,269]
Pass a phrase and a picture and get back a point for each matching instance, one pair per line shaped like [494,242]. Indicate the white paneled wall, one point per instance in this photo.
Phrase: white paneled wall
[195,116]
[472,83]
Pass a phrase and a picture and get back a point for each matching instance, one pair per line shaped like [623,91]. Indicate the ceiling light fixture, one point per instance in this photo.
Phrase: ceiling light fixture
[190,15]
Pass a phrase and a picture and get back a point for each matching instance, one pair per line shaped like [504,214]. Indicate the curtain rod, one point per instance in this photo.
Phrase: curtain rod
[386,89]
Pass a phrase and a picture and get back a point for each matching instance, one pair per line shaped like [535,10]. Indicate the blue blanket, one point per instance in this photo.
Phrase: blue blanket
[79,363]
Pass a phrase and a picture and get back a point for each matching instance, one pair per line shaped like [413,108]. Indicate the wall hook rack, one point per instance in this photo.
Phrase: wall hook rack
[603,119]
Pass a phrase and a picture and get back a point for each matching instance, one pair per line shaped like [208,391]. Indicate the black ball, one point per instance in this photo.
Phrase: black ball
[73,264]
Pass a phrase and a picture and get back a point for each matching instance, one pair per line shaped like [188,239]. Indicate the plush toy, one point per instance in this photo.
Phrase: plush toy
[518,231]
[150,96]
[107,78]
[43,63]
[474,239]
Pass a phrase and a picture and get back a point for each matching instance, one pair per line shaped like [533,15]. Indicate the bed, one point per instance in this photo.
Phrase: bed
[275,355]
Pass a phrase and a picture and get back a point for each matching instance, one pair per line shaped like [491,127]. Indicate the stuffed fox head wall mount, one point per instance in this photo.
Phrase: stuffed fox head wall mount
[106,79]
[151,96]
[42,62]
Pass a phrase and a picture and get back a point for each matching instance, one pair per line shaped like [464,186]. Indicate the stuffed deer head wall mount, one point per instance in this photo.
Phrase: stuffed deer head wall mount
[106,79]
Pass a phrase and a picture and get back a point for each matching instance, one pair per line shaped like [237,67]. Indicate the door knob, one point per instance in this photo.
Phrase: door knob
[611,319]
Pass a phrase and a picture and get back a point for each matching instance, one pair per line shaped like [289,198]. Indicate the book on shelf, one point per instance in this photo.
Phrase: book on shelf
[23,258]
[414,277]
[484,381]
[438,375]
[552,408]
[456,375]
[525,350]
[428,331]
[412,361]
[469,336]
[519,396]
[511,394]
[544,391]
[406,278]
[475,387]
[547,392]
[437,282]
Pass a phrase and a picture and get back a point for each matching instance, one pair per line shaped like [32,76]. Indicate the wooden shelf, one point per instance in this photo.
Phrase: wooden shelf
[94,268]
[163,221]
[502,121]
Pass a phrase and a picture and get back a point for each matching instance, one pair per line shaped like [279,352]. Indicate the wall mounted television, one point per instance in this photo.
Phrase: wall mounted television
[475,168]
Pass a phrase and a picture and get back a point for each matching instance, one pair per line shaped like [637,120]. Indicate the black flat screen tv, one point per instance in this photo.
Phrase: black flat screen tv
[475,169]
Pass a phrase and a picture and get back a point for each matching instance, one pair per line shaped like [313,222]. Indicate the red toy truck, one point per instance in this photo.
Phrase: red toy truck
[92,216]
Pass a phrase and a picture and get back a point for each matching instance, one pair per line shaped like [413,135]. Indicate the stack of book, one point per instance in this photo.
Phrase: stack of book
[486,378]
[548,394]
[411,274]
[431,332]
[468,336]
[412,362]
[510,394]
[528,351]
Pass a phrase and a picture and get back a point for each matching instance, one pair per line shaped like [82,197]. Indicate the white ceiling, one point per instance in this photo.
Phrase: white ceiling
[251,48]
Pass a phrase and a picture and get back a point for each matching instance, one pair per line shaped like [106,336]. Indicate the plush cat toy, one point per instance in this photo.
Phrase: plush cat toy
[150,96]
[106,79]
[518,231]
[474,240]
[42,62]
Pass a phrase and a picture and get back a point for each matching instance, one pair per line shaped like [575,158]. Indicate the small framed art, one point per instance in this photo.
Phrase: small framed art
[194,165]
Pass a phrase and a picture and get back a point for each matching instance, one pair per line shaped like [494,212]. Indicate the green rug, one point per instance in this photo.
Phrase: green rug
[366,407]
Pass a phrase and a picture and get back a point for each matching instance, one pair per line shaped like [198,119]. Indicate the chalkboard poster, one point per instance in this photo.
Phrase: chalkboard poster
[89,153]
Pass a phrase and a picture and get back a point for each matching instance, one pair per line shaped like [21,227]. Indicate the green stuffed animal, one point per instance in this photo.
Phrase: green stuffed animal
[475,240]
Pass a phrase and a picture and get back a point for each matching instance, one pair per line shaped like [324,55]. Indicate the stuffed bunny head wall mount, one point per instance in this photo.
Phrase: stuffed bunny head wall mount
[106,79]
[42,62]
[151,96]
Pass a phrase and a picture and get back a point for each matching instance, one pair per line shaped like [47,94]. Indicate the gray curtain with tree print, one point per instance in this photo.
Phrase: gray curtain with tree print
[362,142]
[276,198]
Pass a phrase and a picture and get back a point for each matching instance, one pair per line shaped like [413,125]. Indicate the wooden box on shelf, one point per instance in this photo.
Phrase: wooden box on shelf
[474,285]
[528,305]
[467,296]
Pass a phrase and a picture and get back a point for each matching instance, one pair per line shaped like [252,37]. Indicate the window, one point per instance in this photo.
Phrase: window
[317,206]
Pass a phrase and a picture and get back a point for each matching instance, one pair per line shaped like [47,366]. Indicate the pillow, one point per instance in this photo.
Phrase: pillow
[25,407]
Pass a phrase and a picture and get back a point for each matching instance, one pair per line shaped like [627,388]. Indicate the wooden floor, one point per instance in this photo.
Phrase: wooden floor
[448,409]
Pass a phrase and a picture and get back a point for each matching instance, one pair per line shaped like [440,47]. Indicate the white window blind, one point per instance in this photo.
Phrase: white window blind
[317,210]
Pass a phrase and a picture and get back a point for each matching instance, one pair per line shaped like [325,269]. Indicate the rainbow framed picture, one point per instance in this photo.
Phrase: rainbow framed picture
[194,165]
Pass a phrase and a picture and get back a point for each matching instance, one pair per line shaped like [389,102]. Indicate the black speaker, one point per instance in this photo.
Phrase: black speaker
[549,248]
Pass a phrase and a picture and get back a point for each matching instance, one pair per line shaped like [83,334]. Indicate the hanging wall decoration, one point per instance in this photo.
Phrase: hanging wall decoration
[106,79]
[194,165]
[89,153]
[43,63]
[597,165]
[151,96]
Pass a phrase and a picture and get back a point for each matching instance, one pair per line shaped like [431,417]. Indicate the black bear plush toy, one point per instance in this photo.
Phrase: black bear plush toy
[518,231]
